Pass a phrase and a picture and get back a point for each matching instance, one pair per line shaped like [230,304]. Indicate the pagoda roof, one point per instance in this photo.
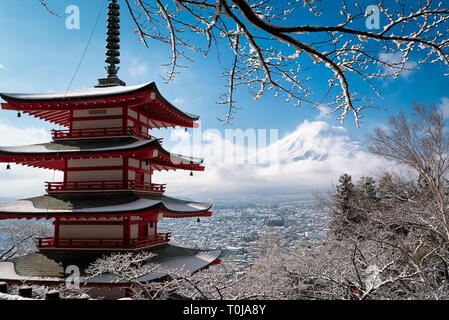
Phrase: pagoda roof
[101,205]
[44,105]
[51,155]
[49,267]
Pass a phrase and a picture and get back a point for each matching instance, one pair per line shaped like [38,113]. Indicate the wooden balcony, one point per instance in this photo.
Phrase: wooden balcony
[103,186]
[100,133]
[102,243]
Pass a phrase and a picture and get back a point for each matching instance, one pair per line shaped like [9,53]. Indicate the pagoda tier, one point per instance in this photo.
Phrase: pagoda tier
[92,222]
[141,107]
[103,205]
[107,154]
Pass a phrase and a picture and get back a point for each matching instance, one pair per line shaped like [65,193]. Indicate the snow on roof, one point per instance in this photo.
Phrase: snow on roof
[77,94]
[83,146]
[42,267]
[89,146]
[94,93]
[78,204]
[8,272]
[187,263]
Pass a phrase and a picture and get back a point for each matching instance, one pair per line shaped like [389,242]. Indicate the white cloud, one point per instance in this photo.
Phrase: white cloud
[3,67]
[324,112]
[312,157]
[444,107]
[137,68]
[20,182]
[13,136]
[394,60]
[179,101]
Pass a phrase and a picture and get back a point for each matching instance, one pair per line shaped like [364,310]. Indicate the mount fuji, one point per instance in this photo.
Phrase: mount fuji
[311,157]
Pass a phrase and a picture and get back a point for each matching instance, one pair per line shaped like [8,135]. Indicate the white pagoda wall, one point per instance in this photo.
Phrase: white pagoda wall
[91,231]
[134,231]
[97,123]
[92,174]
[151,230]
[100,175]
[138,164]
[93,124]
[106,162]
[134,117]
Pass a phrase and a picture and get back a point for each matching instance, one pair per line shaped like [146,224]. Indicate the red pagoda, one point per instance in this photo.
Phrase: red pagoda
[107,200]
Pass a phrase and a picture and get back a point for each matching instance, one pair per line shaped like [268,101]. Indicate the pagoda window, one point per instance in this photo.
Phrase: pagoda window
[134,163]
[97,112]
[94,124]
[151,229]
[134,231]
[145,165]
[132,114]
[143,119]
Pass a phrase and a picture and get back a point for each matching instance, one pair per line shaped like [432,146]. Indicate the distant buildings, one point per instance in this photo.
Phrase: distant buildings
[236,229]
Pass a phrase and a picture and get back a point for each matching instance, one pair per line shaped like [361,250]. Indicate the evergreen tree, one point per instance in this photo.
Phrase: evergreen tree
[345,193]
[386,187]
[367,188]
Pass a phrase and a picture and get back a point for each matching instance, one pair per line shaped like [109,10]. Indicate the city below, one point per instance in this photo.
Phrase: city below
[237,225]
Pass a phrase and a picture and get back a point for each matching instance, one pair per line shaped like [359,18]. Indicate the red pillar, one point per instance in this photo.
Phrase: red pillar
[56,234]
[126,231]
[125,171]
[143,230]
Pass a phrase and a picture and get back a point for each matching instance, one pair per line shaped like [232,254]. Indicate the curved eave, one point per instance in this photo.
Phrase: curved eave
[77,95]
[141,149]
[189,116]
[48,268]
[47,101]
[169,207]
[180,160]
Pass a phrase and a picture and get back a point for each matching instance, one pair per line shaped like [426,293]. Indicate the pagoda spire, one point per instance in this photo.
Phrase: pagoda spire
[113,47]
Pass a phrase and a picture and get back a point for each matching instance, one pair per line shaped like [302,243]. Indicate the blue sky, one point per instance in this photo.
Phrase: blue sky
[40,54]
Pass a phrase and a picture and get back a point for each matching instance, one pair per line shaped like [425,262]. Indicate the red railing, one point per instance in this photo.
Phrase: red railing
[91,243]
[100,132]
[53,187]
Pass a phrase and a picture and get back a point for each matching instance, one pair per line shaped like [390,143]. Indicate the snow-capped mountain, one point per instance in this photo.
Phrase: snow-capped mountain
[311,157]
[313,141]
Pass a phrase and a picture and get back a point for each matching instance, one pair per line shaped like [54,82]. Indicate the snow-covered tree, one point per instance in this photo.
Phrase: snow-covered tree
[367,188]
[277,45]
[18,237]
[217,282]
